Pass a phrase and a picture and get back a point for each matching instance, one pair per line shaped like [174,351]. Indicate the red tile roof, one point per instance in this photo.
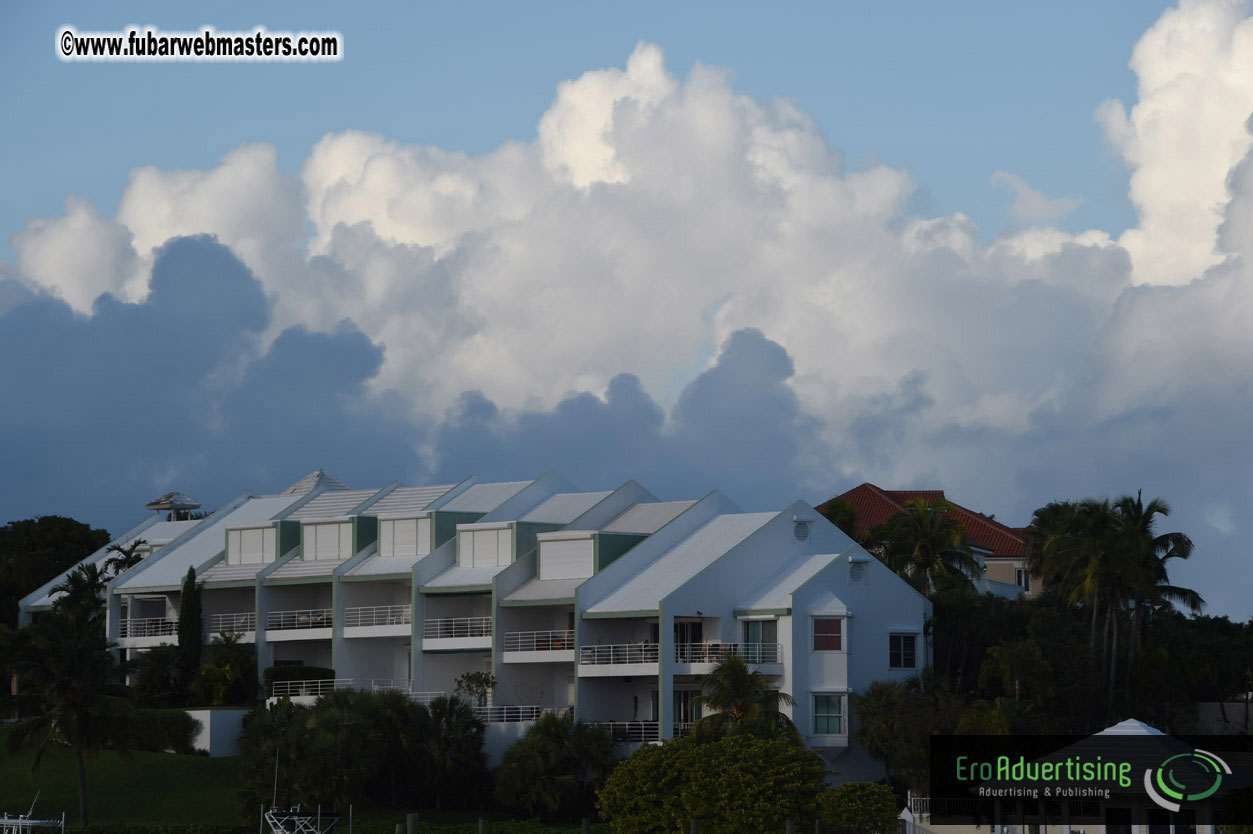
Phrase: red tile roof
[874,506]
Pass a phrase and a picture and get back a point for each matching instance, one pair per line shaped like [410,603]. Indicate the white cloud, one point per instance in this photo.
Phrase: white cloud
[1031,206]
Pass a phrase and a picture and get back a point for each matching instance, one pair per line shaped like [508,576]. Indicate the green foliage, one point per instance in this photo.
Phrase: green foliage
[892,717]
[732,785]
[164,730]
[228,677]
[926,546]
[352,747]
[74,688]
[555,769]
[476,686]
[36,550]
[860,807]
[842,514]
[295,673]
[742,703]
[159,676]
[190,626]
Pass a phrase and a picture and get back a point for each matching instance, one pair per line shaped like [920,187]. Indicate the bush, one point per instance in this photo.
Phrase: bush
[161,730]
[861,807]
[733,785]
[295,673]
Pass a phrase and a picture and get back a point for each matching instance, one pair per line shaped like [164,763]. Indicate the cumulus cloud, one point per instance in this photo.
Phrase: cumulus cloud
[679,283]
[1032,206]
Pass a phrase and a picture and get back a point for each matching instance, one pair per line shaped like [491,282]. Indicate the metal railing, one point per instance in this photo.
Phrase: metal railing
[633,730]
[457,627]
[223,623]
[403,687]
[147,627]
[716,652]
[306,618]
[619,653]
[378,615]
[539,641]
[683,729]
[324,685]
[505,714]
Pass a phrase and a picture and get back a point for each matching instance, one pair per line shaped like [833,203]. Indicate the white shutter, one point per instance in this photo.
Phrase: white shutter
[269,544]
[567,559]
[422,541]
[406,537]
[486,549]
[386,548]
[251,546]
[233,555]
[345,542]
[504,546]
[465,548]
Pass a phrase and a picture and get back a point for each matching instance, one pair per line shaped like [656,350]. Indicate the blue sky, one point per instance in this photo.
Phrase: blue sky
[990,247]
[950,92]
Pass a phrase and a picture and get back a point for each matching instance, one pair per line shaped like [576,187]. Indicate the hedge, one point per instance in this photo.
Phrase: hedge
[295,673]
[161,730]
[493,827]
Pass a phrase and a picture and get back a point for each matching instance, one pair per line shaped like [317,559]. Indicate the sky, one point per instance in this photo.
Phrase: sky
[992,248]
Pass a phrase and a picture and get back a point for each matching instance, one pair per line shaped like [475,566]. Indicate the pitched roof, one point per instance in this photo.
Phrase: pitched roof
[316,478]
[334,504]
[407,500]
[874,506]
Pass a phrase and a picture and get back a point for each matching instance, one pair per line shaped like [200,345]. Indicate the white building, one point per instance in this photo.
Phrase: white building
[610,603]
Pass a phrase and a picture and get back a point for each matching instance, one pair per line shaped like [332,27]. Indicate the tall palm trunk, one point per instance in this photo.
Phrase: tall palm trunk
[1113,671]
[1104,665]
[1133,638]
[1096,607]
[82,784]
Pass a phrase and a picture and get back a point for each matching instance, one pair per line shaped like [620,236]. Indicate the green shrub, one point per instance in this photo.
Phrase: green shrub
[295,673]
[495,827]
[160,730]
[861,807]
[734,785]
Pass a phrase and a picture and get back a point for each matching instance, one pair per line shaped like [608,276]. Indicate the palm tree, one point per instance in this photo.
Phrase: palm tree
[339,747]
[926,545]
[159,675]
[879,710]
[1015,665]
[77,686]
[842,514]
[557,767]
[398,725]
[229,675]
[82,590]
[126,557]
[454,747]
[741,701]
[270,748]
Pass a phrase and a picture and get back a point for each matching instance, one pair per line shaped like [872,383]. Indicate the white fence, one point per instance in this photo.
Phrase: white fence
[147,627]
[457,627]
[619,653]
[224,623]
[378,615]
[716,652]
[305,618]
[539,641]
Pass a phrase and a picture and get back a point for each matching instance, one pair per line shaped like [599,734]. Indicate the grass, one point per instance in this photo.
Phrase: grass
[159,788]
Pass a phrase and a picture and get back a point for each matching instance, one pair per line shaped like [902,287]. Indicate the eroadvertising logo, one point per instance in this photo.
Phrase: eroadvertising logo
[1183,772]
[1049,779]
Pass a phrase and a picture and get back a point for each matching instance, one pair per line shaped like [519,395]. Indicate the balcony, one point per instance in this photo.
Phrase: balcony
[619,659]
[147,627]
[505,714]
[301,624]
[700,658]
[539,647]
[378,621]
[457,634]
[227,623]
[146,632]
[316,688]
[633,731]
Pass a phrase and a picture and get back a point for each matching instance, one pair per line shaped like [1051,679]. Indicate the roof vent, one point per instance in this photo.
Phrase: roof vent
[801,531]
[857,572]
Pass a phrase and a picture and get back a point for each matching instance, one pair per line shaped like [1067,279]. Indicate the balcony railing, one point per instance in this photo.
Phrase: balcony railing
[634,730]
[683,728]
[147,627]
[307,618]
[505,714]
[619,653]
[457,627]
[716,652]
[223,623]
[539,641]
[378,615]
[324,685]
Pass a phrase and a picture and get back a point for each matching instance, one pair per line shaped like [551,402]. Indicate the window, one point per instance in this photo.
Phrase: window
[761,631]
[1022,578]
[901,651]
[828,635]
[829,715]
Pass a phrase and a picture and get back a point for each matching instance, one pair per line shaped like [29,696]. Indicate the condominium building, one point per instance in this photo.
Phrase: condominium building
[612,603]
